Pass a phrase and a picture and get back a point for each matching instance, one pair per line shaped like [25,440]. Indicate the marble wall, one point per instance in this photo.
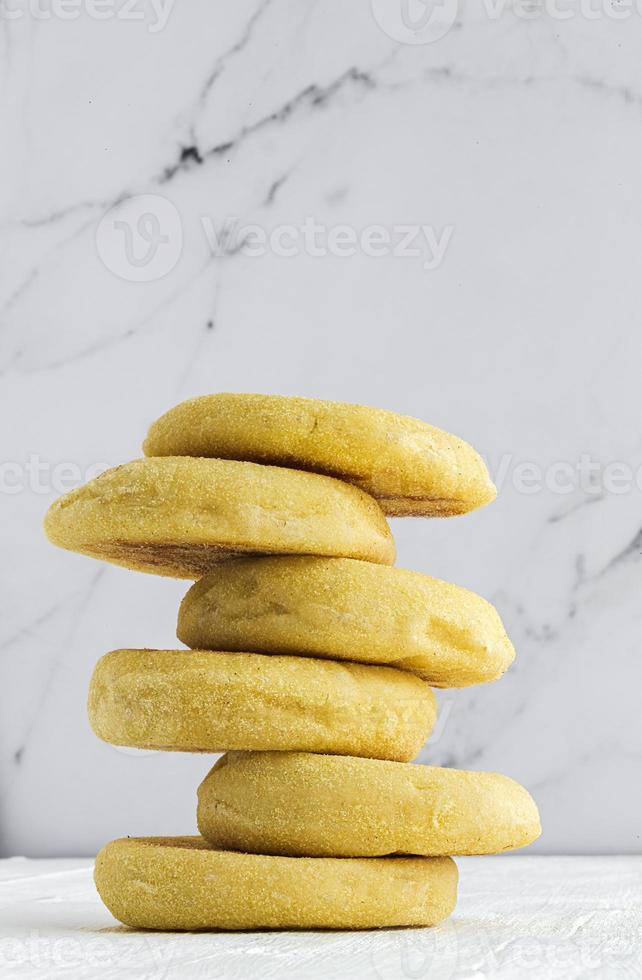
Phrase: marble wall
[289,196]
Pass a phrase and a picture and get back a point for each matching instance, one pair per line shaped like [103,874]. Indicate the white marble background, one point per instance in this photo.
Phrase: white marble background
[523,136]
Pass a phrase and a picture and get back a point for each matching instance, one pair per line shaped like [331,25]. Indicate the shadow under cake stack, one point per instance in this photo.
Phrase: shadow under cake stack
[312,663]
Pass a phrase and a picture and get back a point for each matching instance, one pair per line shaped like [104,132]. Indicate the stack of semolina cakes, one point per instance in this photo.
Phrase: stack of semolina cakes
[311,664]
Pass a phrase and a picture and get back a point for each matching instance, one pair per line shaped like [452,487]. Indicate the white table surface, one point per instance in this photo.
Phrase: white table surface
[517,917]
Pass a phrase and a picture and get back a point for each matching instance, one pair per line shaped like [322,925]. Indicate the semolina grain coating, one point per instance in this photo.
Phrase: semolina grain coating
[179,883]
[295,803]
[198,701]
[348,610]
[410,467]
[181,516]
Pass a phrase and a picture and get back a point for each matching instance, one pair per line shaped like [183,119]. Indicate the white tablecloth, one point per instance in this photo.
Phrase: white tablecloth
[517,917]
